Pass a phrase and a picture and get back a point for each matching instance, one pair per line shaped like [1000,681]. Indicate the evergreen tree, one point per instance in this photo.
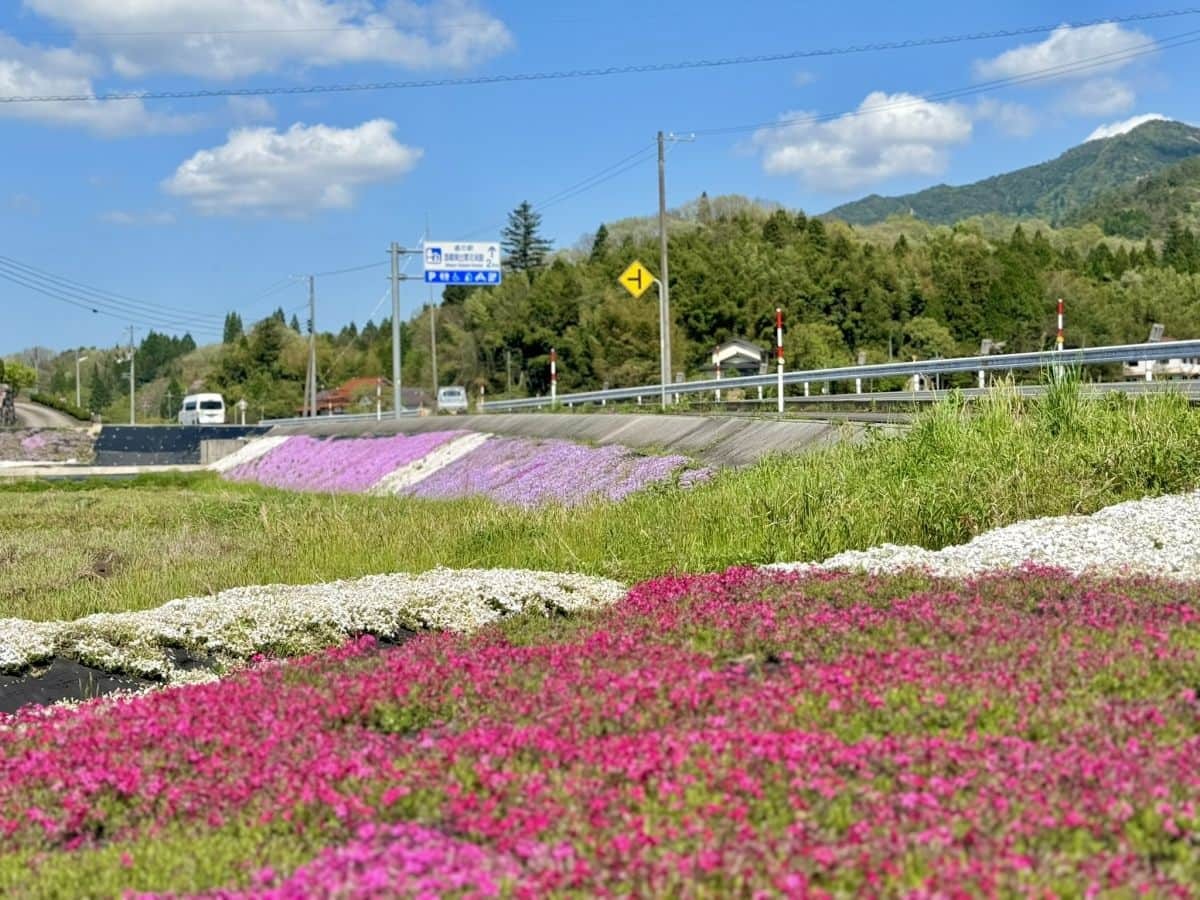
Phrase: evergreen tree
[524,248]
[100,392]
[295,323]
[600,243]
[279,316]
[704,213]
[233,328]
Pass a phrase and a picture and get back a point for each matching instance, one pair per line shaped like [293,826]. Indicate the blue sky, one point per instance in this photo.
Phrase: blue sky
[203,204]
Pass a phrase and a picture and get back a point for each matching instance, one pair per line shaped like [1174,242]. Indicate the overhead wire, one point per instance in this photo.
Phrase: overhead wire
[108,297]
[596,72]
[48,289]
[1051,72]
[454,26]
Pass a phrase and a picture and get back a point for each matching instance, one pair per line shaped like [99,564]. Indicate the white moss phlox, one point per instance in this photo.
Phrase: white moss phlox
[289,620]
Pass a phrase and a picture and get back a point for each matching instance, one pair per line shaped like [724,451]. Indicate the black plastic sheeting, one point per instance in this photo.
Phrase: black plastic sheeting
[163,445]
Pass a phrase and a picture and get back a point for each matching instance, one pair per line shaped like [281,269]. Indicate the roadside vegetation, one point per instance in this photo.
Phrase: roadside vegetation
[72,549]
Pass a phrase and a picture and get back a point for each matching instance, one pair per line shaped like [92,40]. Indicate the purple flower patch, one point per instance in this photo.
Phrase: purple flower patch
[531,473]
[337,465]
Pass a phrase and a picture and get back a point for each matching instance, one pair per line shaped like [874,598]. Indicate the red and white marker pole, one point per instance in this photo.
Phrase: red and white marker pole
[1059,340]
[779,359]
[553,377]
[717,363]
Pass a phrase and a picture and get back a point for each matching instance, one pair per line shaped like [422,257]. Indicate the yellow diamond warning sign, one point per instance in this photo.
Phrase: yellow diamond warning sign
[636,279]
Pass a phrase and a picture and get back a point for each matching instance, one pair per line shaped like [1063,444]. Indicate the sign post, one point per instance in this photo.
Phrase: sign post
[462,262]
[637,280]
[779,360]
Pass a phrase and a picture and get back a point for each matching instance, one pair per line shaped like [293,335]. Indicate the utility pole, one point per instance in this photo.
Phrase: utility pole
[432,326]
[78,394]
[664,294]
[433,340]
[664,275]
[132,416]
[396,386]
[312,344]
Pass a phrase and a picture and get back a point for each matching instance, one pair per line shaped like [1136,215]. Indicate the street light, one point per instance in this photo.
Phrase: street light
[78,397]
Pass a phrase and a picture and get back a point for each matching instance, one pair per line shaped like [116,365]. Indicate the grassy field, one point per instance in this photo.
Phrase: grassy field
[69,550]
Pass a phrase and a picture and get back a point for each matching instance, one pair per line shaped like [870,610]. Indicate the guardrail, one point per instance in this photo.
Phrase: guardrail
[342,417]
[1007,362]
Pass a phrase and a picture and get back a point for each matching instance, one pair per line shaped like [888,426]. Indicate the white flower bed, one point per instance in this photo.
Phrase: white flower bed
[419,470]
[1157,536]
[248,452]
[289,620]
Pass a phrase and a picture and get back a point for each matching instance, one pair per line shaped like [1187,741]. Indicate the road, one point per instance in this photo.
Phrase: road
[31,415]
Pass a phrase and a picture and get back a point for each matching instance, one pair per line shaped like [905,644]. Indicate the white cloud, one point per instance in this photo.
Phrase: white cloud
[144,217]
[1115,128]
[1099,97]
[228,39]
[262,171]
[36,72]
[803,79]
[25,204]
[888,136]
[1014,119]
[248,110]
[1104,45]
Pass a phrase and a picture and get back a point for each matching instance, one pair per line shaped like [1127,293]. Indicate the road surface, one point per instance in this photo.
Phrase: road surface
[31,415]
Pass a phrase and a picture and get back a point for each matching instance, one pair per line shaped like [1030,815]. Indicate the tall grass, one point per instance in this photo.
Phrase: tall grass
[960,470]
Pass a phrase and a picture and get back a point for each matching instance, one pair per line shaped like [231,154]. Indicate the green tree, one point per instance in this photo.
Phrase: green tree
[100,391]
[525,249]
[18,375]
[599,244]
[233,328]
[295,323]
[925,338]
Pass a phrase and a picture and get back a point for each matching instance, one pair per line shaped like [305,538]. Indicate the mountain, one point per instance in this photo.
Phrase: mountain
[1149,205]
[1053,190]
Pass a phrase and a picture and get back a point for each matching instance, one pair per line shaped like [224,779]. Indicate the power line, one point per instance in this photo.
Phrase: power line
[108,297]
[64,291]
[362,268]
[48,289]
[598,72]
[1052,72]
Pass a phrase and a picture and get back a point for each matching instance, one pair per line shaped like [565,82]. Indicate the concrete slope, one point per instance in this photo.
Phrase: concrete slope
[33,415]
[718,440]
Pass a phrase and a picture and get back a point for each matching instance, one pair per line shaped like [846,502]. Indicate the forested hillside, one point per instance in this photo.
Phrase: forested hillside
[902,289]
[1150,205]
[1054,190]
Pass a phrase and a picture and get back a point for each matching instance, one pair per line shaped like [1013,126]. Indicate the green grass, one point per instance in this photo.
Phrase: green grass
[68,550]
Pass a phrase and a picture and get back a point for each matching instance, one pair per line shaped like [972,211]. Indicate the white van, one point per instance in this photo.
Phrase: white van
[452,399]
[202,409]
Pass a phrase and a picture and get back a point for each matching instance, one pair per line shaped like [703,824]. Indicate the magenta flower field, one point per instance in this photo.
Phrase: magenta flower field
[345,465]
[525,472]
[513,471]
[740,734]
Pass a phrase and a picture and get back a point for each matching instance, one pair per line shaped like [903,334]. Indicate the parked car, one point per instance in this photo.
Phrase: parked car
[202,409]
[452,399]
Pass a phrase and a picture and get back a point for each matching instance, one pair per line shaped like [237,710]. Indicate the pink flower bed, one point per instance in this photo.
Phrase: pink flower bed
[45,445]
[530,473]
[721,735]
[346,465]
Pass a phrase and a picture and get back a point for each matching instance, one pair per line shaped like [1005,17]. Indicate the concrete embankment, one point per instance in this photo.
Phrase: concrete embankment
[717,440]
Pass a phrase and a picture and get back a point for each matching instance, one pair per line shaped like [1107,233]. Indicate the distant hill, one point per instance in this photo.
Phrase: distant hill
[1149,205]
[1054,190]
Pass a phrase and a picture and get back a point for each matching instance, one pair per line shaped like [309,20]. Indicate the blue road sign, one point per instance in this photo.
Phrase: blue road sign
[463,277]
